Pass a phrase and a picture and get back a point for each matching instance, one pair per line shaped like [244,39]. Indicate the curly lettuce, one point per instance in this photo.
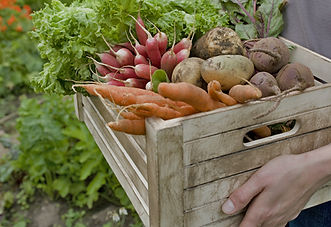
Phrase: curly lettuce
[68,34]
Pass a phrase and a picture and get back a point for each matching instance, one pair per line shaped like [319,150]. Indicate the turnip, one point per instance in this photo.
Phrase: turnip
[218,41]
[269,54]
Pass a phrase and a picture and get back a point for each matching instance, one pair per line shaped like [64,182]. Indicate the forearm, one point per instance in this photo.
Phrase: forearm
[320,163]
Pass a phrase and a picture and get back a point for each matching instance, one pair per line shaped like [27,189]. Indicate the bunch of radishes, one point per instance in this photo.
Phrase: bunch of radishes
[133,65]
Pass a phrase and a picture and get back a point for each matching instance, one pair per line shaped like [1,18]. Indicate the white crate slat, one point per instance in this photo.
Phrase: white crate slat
[232,141]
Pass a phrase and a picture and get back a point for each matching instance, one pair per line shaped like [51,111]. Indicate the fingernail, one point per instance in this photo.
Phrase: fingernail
[228,207]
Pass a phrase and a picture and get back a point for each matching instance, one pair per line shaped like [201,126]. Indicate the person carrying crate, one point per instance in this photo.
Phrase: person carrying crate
[276,193]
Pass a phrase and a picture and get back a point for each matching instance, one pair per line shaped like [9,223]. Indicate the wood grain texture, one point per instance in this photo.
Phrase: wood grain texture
[229,142]
[107,147]
[239,162]
[165,172]
[78,106]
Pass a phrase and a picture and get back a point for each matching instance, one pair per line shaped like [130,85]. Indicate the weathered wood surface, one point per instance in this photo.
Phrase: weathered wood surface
[212,212]
[229,142]
[225,166]
[78,106]
[319,65]
[242,115]
[132,148]
[122,165]
[165,174]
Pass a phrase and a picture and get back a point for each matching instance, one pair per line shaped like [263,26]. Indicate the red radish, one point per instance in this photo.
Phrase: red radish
[149,86]
[182,55]
[144,70]
[185,43]
[138,59]
[141,34]
[140,48]
[162,39]
[169,59]
[123,56]
[152,48]
[103,70]
[116,83]
[169,62]
[133,82]
[115,48]
[127,45]
[120,76]
[109,60]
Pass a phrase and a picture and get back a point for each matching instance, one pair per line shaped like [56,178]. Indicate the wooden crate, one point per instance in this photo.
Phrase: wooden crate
[181,172]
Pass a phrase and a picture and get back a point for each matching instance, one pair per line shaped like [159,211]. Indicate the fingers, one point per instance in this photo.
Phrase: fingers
[243,195]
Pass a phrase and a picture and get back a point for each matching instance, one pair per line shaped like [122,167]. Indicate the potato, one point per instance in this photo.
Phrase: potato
[188,71]
[229,70]
[270,54]
[218,41]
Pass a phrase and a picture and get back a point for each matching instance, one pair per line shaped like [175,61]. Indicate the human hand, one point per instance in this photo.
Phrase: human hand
[279,190]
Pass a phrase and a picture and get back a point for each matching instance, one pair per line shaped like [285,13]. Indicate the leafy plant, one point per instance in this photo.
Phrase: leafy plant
[67,34]
[19,57]
[59,157]
[255,18]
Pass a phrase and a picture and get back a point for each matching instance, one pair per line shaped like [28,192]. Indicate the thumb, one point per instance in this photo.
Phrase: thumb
[242,195]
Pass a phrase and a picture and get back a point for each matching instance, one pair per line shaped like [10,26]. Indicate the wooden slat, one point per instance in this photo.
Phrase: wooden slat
[212,212]
[239,116]
[318,64]
[230,142]
[165,174]
[107,111]
[117,150]
[119,170]
[228,165]
[78,106]
[127,141]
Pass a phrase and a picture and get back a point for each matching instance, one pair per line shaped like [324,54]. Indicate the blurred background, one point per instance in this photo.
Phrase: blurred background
[51,173]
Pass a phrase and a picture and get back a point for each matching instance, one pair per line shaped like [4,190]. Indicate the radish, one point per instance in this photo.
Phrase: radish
[144,70]
[103,70]
[138,59]
[152,47]
[182,55]
[116,83]
[141,34]
[123,56]
[109,60]
[169,62]
[141,49]
[162,39]
[185,43]
[133,82]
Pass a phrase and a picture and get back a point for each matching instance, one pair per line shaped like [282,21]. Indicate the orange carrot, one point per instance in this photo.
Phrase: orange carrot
[122,96]
[130,116]
[153,110]
[135,127]
[262,132]
[189,93]
[244,93]
[215,92]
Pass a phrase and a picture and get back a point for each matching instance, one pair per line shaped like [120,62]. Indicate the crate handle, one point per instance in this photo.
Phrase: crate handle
[272,138]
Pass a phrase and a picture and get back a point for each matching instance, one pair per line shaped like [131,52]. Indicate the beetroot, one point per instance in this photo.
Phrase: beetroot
[269,54]
[266,83]
[295,76]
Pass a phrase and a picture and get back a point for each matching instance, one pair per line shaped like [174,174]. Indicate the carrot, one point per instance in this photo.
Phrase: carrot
[244,93]
[154,110]
[130,116]
[116,94]
[135,127]
[190,94]
[262,132]
[215,92]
